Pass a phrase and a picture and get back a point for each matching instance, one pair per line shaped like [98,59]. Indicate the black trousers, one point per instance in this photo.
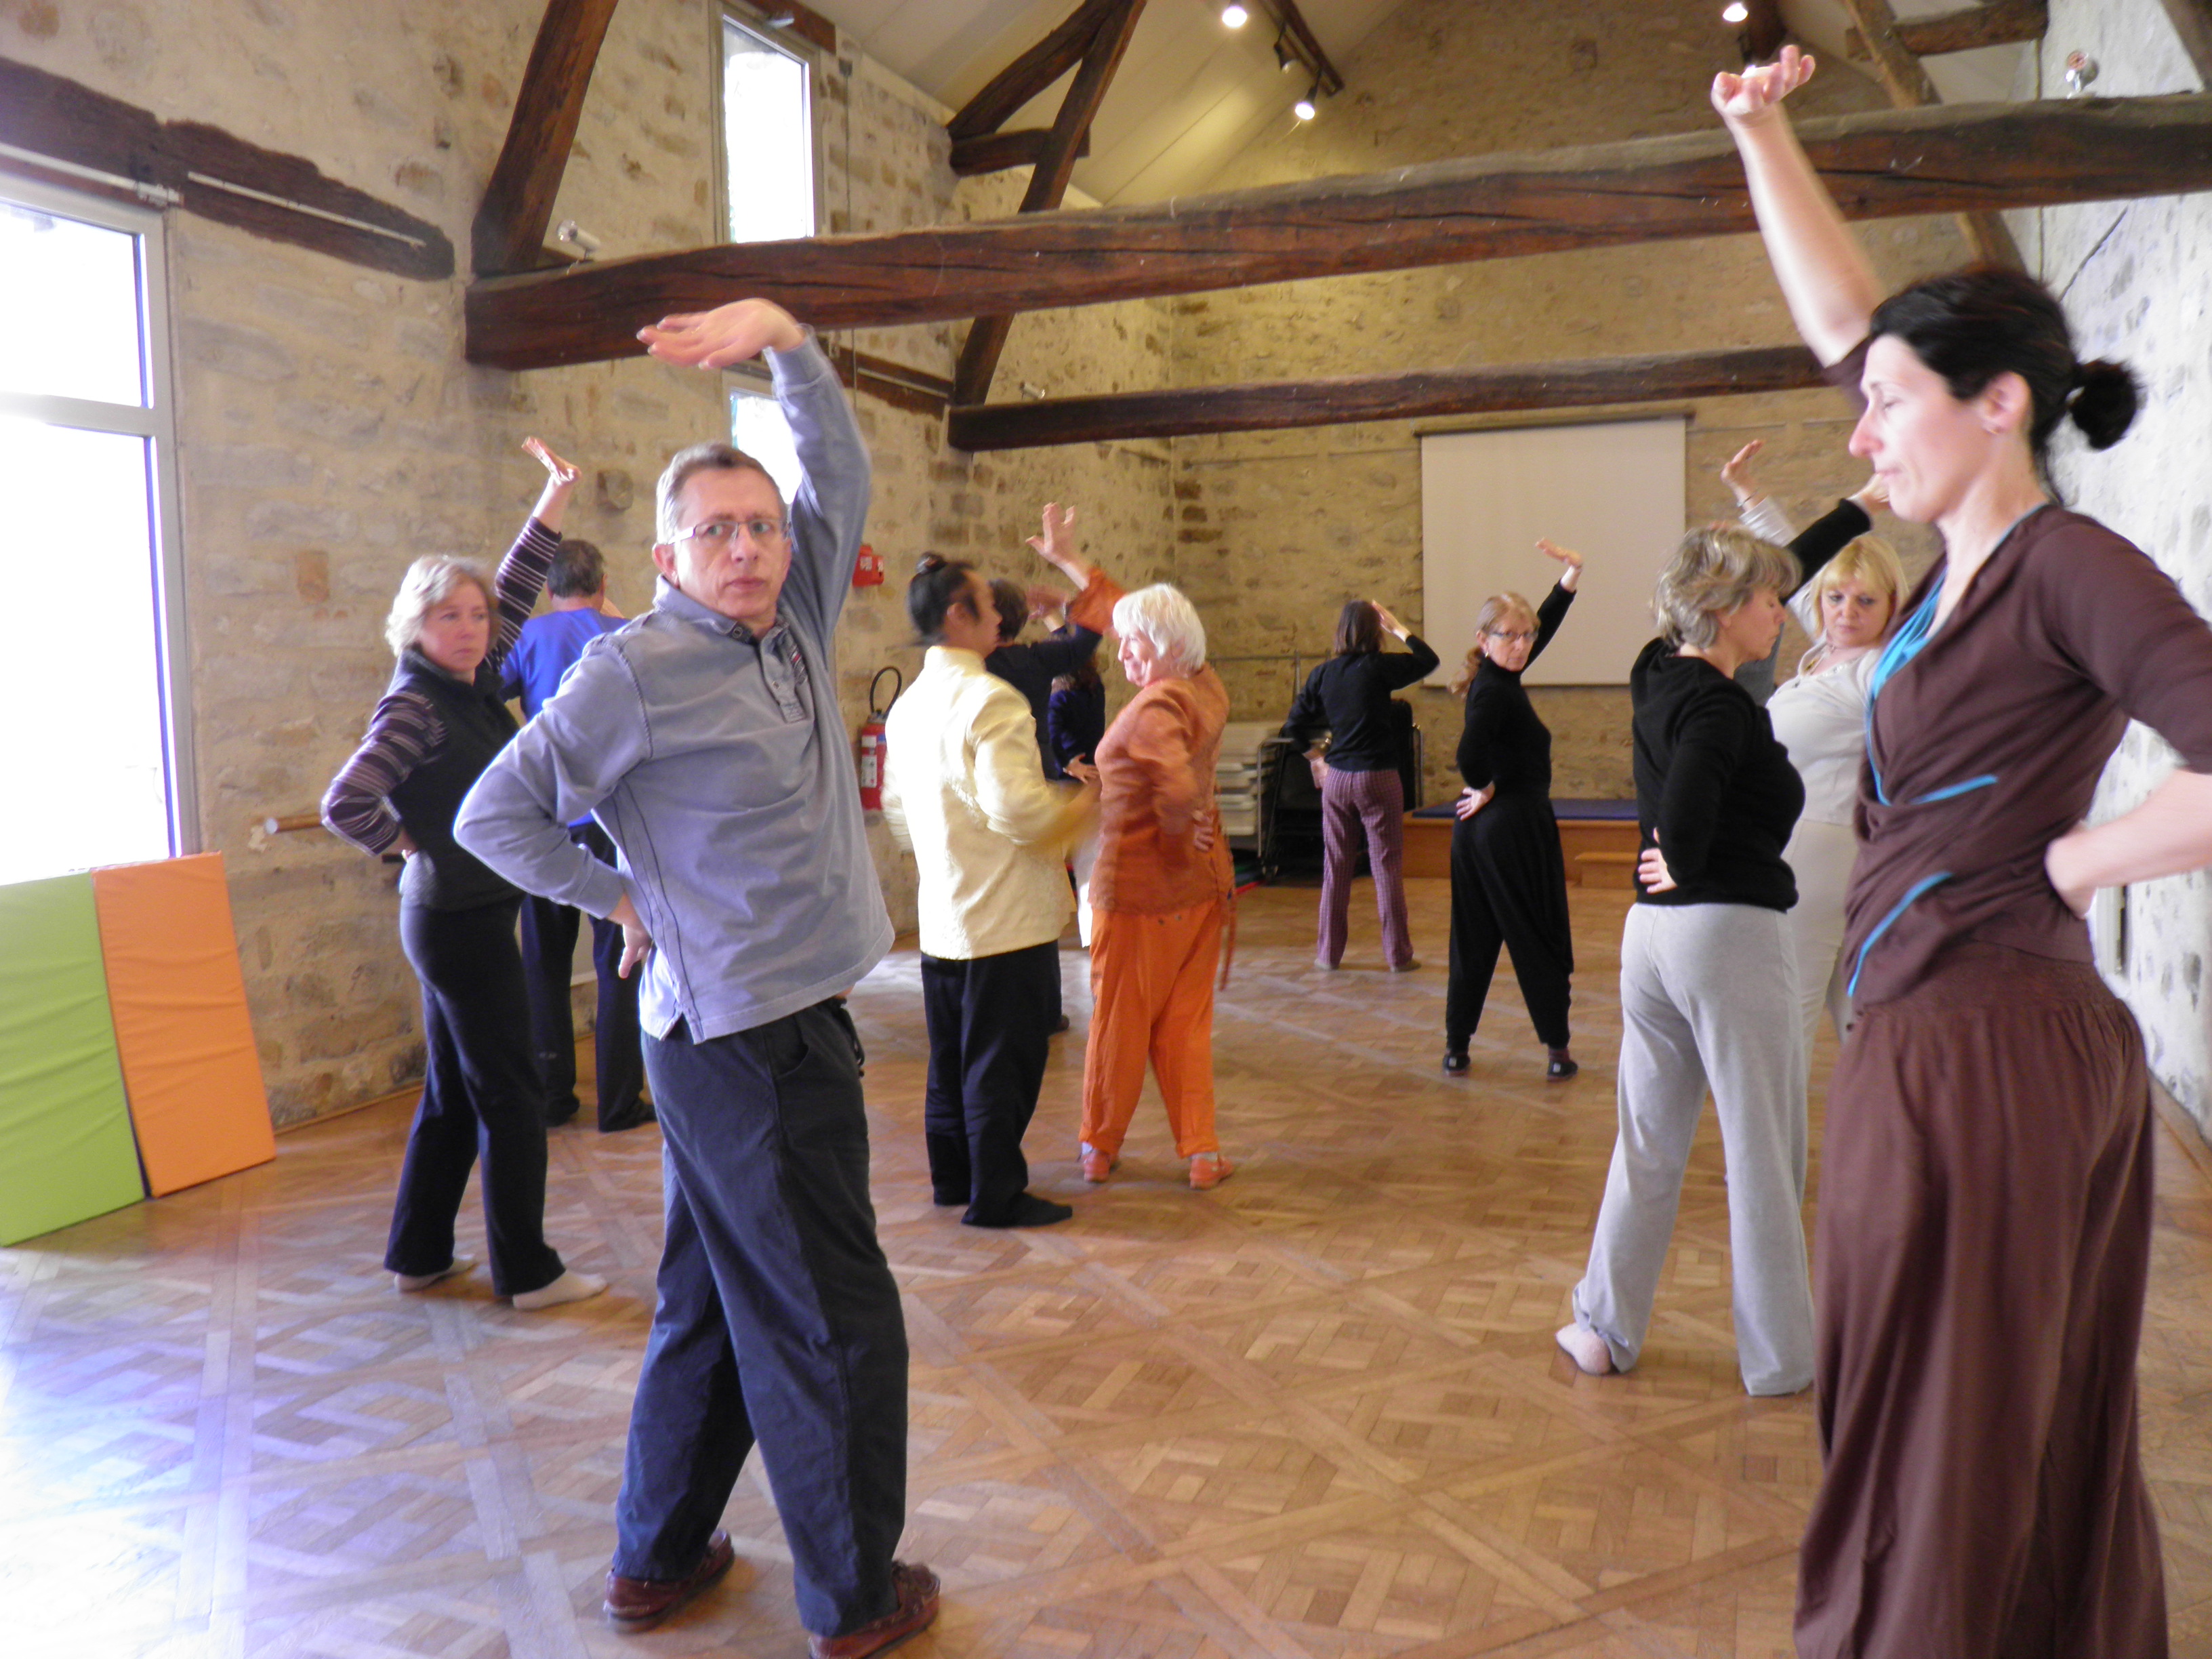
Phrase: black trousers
[480,1096]
[1509,887]
[549,949]
[990,1029]
[778,1319]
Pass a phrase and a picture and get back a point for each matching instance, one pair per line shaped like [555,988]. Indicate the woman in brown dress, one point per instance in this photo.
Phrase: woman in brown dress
[1986,1208]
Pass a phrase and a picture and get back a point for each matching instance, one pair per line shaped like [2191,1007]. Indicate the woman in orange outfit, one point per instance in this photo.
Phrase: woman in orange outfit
[1161,892]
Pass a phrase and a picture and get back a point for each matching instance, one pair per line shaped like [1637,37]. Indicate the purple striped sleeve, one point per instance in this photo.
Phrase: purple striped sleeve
[356,807]
[520,578]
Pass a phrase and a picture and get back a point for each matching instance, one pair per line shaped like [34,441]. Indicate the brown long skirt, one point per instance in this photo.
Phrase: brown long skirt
[1982,1246]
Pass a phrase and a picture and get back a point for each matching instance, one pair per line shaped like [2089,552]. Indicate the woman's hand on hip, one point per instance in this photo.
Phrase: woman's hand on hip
[2062,868]
[1652,873]
[1472,801]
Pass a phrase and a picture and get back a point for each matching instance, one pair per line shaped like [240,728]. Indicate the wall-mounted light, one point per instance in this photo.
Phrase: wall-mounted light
[1735,12]
[1234,16]
[1305,108]
[571,236]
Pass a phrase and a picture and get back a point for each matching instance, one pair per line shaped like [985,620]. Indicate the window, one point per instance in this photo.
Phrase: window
[757,427]
[93,742]
[767,137]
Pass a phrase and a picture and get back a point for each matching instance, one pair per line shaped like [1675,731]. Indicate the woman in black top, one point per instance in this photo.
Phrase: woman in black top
[1349,696]
[1708,975]
[437,728]
[1509,879]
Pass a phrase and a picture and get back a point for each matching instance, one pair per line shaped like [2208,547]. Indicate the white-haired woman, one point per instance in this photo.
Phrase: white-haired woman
[1160,893]
[1708,975]
[1848,610]
[430,737]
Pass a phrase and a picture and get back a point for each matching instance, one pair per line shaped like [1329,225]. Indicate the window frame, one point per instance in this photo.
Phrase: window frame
[754,21]
[155,423]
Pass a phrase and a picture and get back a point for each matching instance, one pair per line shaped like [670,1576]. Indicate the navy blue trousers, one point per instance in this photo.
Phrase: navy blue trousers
[778,1320]
[990,1031]
[481,1096]
[549,949]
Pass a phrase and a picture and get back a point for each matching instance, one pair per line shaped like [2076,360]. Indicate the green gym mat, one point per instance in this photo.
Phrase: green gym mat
[66,1151]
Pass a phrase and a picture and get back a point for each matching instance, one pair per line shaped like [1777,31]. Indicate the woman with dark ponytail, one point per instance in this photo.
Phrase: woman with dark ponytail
[1985,1193]
[990,837]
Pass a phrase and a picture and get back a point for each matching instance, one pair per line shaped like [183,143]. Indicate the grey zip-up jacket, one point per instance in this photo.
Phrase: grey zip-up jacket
[720,766]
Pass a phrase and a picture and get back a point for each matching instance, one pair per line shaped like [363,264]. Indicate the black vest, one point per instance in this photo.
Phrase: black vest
[442,876]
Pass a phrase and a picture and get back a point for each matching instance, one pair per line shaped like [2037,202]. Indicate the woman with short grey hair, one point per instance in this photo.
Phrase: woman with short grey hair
[1708,975]
[1161,893]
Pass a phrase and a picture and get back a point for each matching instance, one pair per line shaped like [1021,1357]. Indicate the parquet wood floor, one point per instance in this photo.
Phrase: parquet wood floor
[1315,1414]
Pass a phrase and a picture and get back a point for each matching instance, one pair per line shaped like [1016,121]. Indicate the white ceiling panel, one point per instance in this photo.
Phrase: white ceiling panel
[1189,94]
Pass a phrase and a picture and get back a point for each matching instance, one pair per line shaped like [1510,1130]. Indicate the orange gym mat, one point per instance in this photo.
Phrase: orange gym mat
[189,1063]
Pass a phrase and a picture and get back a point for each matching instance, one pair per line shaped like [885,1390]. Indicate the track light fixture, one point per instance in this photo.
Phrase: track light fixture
[1305,108]
[1235,16]
[1735,12]
[1283,59]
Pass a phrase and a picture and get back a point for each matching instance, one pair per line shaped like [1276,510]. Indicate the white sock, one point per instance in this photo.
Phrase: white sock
[459,1264]
[571,1286]
[1586,1349]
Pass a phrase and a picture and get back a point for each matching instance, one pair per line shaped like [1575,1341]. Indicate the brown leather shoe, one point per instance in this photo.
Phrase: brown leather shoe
[917,1590]
[638,1604]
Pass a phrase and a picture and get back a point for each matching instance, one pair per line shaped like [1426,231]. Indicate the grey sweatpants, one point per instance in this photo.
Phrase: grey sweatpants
[1708,995]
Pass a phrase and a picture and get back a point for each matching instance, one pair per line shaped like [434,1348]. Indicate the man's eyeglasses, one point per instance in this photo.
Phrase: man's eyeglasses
[1529,638]
[721,532]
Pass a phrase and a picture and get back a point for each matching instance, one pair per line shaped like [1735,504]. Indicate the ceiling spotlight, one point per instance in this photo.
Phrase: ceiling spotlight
[1283,59]
[1304,109]
[1735,12]
[1235,16]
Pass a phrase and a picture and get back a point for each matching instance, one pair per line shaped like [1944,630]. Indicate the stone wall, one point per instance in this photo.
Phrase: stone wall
[1276,531]
[330,431]
[2132,276]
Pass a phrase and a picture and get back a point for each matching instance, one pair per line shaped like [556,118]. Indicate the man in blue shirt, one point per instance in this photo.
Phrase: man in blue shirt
[707,739]
[548,647]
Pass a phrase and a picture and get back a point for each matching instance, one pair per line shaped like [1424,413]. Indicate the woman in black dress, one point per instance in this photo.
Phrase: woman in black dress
[1509,880]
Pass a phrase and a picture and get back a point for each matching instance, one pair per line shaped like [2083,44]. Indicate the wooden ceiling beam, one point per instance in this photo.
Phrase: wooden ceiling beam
[1298,38]
[1031,73]
[1999,23]
[1905,80]
[1049,180]
[1885,164]
[211,173]
[1279,405]
[2192,21]
[995,152]
[509,233]
[1763,32]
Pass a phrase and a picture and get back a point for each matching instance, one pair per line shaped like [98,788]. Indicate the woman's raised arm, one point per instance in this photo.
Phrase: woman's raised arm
[1826,278]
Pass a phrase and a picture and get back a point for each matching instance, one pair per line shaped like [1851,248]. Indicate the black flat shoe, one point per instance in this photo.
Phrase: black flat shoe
[1561,1068]
[1455,1062]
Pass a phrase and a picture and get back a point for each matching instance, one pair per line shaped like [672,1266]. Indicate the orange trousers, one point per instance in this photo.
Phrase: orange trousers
[1151,996]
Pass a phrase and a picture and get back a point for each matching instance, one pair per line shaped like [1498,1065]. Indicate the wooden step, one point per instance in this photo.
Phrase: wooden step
[1616,871]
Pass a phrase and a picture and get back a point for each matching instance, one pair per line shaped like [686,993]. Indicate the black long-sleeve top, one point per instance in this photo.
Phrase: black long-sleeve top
[1350,697]
[1030,668]
[1503,742]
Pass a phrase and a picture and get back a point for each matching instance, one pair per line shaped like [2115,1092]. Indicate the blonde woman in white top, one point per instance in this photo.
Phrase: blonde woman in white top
[990,837]
[1819,715]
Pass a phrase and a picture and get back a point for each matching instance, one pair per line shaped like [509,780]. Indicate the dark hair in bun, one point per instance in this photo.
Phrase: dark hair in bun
[2105,398]
[1972,325]
[939,584]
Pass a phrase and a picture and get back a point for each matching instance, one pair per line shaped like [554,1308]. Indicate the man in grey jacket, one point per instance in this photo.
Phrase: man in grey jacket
[705,738]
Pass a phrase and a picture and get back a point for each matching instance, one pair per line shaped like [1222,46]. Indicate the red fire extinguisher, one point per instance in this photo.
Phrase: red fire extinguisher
[868,568]
[871,740]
